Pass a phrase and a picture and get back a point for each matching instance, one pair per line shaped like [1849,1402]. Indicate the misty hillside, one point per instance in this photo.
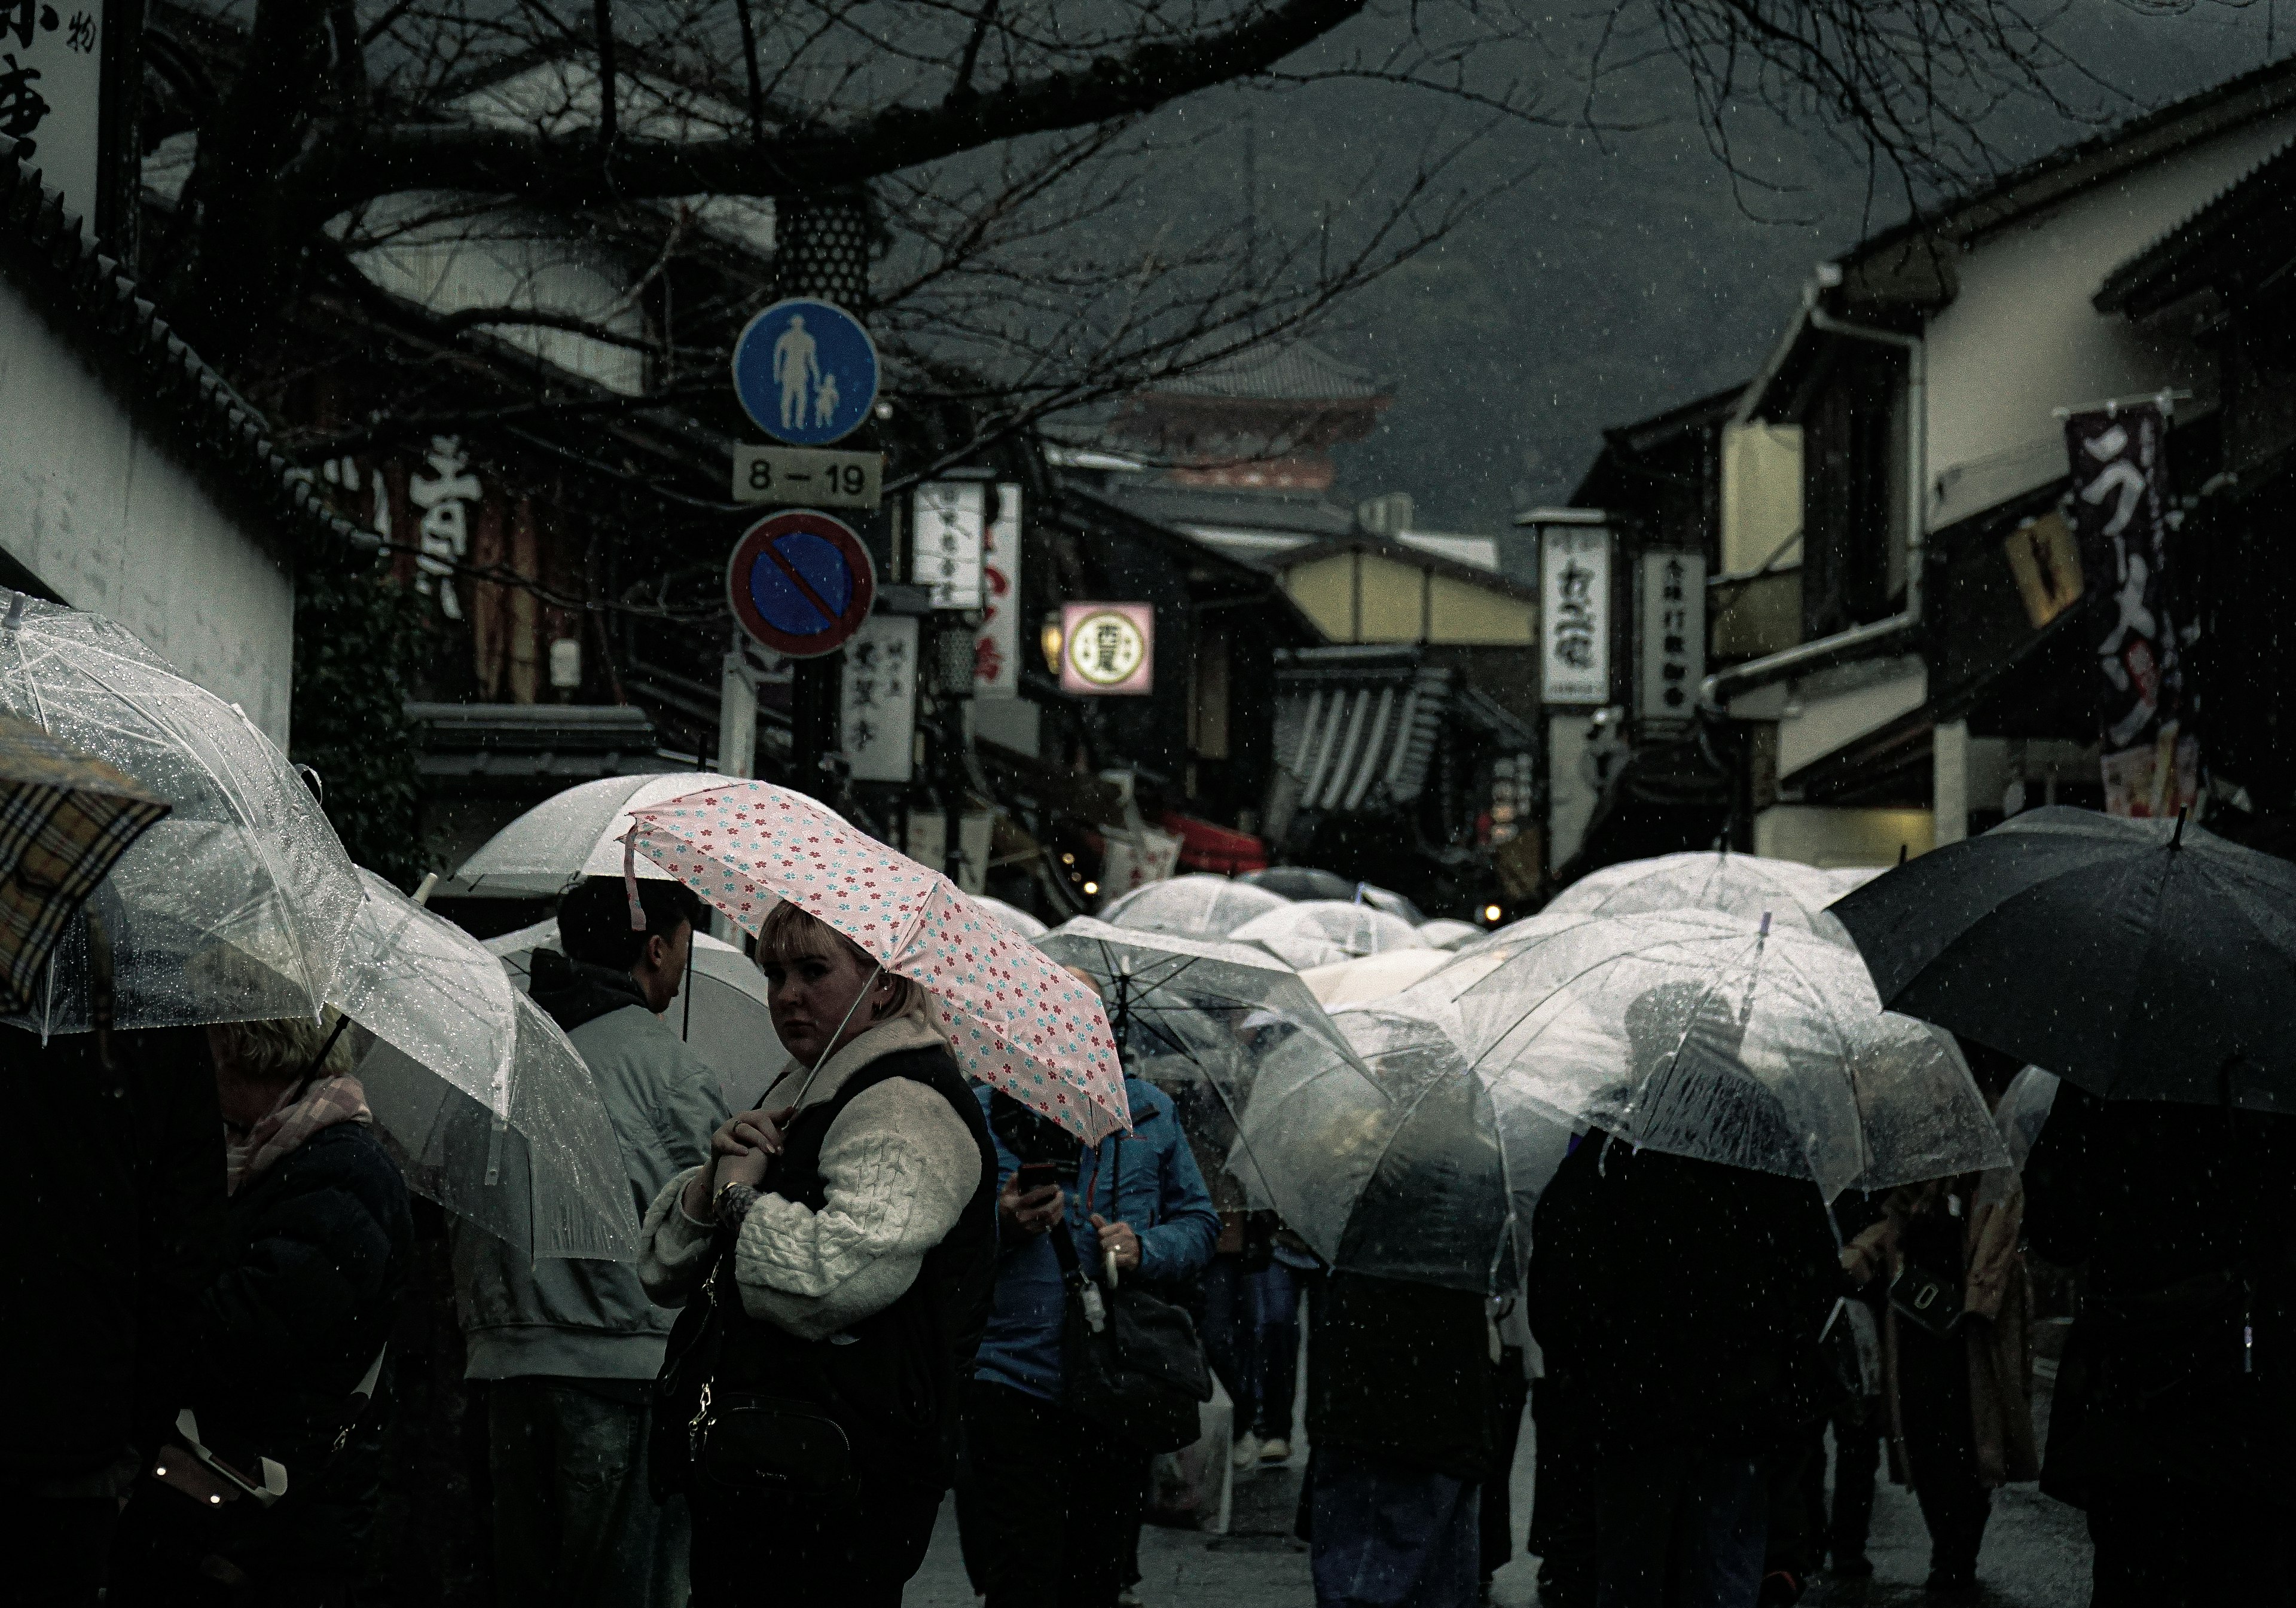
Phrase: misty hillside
[1623,277]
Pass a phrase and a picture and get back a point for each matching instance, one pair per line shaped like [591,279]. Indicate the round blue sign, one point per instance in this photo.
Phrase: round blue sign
[801,583]
[807,372]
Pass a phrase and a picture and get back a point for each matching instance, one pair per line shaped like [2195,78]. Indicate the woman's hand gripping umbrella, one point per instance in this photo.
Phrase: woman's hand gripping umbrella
[1014,1020]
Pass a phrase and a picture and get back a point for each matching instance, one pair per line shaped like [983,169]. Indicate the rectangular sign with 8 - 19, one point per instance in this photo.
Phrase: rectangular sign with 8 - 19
[808,476]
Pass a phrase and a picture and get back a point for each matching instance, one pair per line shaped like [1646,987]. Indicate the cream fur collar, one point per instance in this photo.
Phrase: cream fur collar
[903,1033]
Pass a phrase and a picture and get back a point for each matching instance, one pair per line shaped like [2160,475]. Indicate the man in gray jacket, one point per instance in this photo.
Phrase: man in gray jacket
[570,1349]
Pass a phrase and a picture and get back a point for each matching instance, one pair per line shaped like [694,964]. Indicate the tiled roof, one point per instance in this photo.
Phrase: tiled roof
[214,426]
[2177,262]
[1296,373]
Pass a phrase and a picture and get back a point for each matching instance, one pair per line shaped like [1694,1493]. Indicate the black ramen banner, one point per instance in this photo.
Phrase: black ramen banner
[2120,516]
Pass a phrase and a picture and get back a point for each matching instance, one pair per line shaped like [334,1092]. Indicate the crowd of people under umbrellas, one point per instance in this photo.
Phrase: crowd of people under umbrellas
[984,1214]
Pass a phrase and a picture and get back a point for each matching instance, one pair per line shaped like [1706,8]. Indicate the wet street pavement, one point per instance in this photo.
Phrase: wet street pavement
[2036,1553]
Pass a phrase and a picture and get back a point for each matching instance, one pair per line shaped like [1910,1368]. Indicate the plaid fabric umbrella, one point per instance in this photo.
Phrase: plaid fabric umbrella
[65,819]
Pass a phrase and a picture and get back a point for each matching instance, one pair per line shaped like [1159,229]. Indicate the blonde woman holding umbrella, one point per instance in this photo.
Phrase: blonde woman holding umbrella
[841,1240]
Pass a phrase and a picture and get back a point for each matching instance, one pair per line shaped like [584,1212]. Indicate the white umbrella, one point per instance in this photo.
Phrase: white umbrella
[1369,977]
[1317,931]
[1446,933]
[491,1110]
[1012,916]
[1747,885]
[574,834]
[731,1024]
[1195,906]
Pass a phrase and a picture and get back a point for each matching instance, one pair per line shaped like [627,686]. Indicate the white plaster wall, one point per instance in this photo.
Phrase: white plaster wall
[113,523]
[2022,337]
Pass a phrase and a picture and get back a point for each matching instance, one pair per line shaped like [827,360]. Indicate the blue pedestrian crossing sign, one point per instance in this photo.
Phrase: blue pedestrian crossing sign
[807,372]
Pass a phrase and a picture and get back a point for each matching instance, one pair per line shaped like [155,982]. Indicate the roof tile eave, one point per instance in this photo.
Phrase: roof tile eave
[105,299]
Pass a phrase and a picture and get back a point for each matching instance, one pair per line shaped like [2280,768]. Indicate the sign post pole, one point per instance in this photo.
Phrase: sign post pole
[806,371]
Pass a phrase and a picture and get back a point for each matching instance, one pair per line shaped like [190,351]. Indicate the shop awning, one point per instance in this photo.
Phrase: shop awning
[1360,737]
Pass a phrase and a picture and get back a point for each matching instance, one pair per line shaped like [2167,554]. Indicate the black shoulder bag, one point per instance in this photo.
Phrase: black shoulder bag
[735,1438]
[1133,1361]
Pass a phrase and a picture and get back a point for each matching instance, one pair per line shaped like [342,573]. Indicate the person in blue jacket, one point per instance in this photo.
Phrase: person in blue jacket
[1049,1502]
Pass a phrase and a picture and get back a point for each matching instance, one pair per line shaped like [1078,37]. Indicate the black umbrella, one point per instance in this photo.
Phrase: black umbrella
[2141,959]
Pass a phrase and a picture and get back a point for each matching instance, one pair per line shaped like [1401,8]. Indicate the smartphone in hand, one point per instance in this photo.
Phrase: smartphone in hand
[1031,1176]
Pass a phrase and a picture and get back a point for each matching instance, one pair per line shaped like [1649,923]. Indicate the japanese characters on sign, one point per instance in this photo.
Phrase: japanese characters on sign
[1673,633]
[51,86]
[947,552]
[1575,614]
[2119,507]
[1108,647]
[997,652]
[444,496]
[878,699]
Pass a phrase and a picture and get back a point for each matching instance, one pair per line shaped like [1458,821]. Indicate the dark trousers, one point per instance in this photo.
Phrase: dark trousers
[62,1563]
[752,1548]
[1678,1526]
[1940,1446]
[1048,1502]
[1497,1519]
[1857,1434]
[1276,1346]
[575,1526]
[1563,1498]
[2160,1547]
[1388,1535]
[1228,1335]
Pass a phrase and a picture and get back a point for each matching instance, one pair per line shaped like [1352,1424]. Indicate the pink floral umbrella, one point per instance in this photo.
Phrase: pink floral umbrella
[1014,1020]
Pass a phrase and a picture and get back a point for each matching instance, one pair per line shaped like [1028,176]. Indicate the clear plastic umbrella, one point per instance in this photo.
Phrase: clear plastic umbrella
[1195,906]
[236,906]
[728,1020]
[491,1110]
[1444,932]
[1398,1174]
[1703,1036]
[1188,1010]
[1747,885]
[1317,931]
[574,834]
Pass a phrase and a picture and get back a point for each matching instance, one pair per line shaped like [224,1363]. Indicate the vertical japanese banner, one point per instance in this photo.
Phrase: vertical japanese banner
[878,699]
[997,652]
[2121,516]
[946,556]
[1673,633]
[51,92]
[1575,614]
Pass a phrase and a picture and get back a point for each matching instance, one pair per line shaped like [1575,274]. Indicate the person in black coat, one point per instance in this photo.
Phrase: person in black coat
[2176,1400]
[280,1352]
[1401,1409]
[114,1164]
[1682,1302]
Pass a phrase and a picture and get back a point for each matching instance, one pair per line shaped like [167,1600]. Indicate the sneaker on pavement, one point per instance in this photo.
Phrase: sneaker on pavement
[1276,1449]
[1247,1451]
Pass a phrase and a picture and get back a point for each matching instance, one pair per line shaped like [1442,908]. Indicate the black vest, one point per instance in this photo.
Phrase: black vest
[889,1381]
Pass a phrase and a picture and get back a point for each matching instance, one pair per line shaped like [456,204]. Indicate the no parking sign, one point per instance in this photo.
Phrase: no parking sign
[801,583]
